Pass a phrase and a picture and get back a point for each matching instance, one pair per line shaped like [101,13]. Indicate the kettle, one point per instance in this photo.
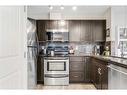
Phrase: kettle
[52,53]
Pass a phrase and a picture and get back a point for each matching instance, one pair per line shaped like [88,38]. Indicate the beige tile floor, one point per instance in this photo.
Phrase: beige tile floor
[76,86]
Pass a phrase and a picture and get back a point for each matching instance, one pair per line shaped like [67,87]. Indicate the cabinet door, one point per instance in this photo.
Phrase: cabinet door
[76,77]
[62,24]
[104,77]
[77,58]
[74,30]
[87,65]
[98,29]
[40,70]
[86,32]
[41,30]
[92,72]
[77,66]
[97,76]
[51,24]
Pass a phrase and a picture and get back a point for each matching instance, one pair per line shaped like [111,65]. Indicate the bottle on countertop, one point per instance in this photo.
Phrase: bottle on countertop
[71,50]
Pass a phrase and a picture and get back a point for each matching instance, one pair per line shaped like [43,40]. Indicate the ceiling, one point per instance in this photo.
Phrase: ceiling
[41,12]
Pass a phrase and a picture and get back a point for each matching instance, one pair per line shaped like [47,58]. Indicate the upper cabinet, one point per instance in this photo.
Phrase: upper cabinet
[41,30]
[98,30]
[79,30]
[87,30]
[74,30]
[51,24]
[43,25]
[56,24]
[62,24]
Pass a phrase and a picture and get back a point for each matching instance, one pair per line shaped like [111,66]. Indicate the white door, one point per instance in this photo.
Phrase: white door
[13,64]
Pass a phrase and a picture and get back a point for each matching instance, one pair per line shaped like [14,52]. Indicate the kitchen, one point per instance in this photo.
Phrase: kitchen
[63,47]
[80,47]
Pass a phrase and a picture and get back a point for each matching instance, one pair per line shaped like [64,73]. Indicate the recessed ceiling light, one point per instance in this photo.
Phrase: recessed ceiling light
[74,8]
[50,7]
[61,7]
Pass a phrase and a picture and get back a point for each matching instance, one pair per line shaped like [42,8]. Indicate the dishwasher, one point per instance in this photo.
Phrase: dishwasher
[117,77]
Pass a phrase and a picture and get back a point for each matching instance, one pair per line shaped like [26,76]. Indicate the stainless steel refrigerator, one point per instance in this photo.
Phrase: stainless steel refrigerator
[32,52]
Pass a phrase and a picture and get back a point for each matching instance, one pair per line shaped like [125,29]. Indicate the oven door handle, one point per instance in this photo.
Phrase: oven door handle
[57,61]
[58,76]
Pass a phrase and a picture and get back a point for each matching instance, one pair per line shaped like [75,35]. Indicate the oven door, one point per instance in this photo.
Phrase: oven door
[56,67]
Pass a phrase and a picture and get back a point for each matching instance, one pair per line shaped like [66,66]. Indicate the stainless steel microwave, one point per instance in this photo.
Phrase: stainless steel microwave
[57,34]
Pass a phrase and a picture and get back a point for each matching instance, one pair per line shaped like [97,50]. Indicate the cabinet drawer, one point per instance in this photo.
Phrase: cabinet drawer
[76,76]
[77,66]
[76,58]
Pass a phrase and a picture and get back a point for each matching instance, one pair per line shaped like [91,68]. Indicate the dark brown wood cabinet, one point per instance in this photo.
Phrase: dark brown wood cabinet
[87,69]
[63,24]
[99,73]
[79,30]
[76,76]
[79,69]
[86,31]
[74,30]
[40,70]
[98,28]
[41,30]
[51,24]
[76,69]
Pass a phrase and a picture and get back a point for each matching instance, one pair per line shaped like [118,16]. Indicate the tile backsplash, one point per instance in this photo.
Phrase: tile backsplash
[79,48]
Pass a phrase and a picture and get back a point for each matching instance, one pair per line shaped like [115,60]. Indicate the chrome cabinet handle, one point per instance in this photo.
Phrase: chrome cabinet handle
[99,71]
[75,76]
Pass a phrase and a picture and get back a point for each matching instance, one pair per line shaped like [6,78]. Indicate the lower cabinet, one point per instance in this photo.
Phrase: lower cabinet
[76,76]
[87,69]
[79,69]
[99,73]
[40,70]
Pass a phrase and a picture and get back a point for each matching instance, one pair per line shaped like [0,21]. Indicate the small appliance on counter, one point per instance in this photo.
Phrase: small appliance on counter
[97,50]
[52,53]
[71,50]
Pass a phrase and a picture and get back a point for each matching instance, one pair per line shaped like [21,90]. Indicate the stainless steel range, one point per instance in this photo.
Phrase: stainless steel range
[56,68]
[56,71]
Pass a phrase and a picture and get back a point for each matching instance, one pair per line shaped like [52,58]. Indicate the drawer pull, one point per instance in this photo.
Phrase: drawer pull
[75,76]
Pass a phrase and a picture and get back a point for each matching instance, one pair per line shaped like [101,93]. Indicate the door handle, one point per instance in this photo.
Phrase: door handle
[99,71]
[75,76]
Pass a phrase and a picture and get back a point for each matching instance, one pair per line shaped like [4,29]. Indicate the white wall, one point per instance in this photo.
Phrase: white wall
[116,16]
[82,12]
